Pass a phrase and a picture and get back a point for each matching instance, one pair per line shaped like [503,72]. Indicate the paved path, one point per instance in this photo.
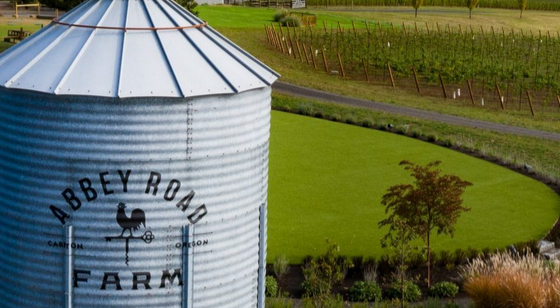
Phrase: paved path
[293,90]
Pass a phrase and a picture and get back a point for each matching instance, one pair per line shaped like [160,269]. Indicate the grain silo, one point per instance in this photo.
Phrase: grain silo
[134,159]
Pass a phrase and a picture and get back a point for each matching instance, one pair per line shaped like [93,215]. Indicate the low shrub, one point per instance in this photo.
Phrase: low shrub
[459,256]
[365,291]
[280,266]
[432,137]
[358,262]
[415,133]
[271,286]
[319,114]
[417,260]
[445,258]
[367,123]
[509,281]
[305,109]
[412,292]
[336,117]
[306,260]
[384,266]
[472,253]
[350,119]
[291,21]
[324,302]
[486,252]
[280,15]
[278,302]
[443,289]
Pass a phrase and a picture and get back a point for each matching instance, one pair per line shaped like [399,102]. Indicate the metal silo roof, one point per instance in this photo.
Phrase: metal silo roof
[131,48]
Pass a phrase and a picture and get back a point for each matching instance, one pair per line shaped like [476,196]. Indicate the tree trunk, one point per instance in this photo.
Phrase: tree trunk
[402,276]
[415,12]
[470,14]
[429,261]
[521,14]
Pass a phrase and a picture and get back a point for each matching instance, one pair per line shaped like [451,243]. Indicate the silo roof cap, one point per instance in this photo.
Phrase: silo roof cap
[131,48]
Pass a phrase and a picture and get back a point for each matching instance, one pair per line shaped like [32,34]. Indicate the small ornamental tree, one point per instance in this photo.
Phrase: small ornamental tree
[416,4]
[398,239]
[472,4]
[522,6]
[432,203]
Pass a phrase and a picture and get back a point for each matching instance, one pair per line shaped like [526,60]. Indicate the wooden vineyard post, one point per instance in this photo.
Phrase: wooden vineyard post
[341,66]
[284,50]
[391,74]
[325,26]
[470,91]
[281,31]
[306,54]
[299,51]
[267,33]
[325,61]
[339,27]
[292,49]
[530,103]
[279,40]
[367,75]
[500,97]
[442,86]
[558,100]
[313,57]
[416,79]
[274,37]
[354,27]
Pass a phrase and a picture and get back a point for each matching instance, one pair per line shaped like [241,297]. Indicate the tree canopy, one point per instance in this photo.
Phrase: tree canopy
[432,203]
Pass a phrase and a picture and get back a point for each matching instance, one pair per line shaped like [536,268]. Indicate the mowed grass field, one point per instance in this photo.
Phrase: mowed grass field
[326,180]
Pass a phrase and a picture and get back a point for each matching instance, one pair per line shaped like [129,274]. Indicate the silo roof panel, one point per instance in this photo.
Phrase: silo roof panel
[69,59]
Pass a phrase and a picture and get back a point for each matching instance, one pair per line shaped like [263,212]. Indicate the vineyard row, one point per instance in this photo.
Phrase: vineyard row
[502,64]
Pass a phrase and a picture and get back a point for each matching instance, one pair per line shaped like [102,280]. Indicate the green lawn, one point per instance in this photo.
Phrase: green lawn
[327,179]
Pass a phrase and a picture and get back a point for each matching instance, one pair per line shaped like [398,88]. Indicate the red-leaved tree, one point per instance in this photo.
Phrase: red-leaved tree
[432,203]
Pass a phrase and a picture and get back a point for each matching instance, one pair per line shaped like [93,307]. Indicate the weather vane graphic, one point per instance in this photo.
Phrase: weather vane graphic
[136,220]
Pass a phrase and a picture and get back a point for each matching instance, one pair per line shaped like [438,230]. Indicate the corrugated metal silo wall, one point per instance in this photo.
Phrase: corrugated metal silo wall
[82,156]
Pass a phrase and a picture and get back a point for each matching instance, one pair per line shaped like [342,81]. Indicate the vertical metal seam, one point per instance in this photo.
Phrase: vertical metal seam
[262,263]
[183,267]
[162,49]
[118,94]
[69,267]
[188,253]
[82,49]
[189,128]
[221,46]
[202,54]
[52,44]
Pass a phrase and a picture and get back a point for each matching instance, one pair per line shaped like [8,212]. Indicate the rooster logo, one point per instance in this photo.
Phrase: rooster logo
[137,218]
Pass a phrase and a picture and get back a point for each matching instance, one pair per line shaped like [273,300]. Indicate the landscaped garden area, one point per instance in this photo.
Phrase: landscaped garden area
[330,186]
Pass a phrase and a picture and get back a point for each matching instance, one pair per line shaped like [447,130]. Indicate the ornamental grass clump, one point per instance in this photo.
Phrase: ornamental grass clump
[505,280]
